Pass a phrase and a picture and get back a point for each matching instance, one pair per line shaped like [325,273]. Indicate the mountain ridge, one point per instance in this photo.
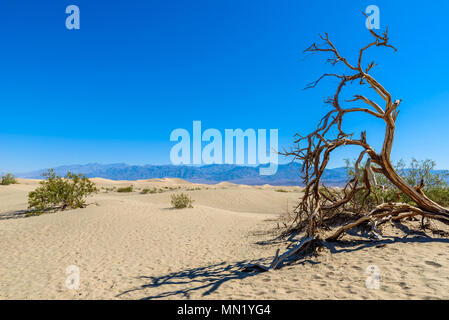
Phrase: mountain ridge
[287,174]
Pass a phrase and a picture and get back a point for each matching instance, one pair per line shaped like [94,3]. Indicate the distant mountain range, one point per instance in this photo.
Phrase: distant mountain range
[287,174]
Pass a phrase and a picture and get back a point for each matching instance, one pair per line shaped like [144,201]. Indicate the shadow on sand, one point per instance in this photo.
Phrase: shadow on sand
[14,214]
[209,278]
[351,246]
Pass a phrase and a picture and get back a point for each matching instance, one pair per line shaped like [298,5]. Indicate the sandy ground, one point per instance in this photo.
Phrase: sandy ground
[134,246]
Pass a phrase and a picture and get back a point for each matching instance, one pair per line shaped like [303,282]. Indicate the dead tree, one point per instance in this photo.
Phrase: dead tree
[320,205]
[314,151]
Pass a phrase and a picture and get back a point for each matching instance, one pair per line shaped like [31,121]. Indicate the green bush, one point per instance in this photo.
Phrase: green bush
[435,185]
[125,189]
[61,193]
[152,190]
[182,200]
[193,189]
[8,179]
[107,190]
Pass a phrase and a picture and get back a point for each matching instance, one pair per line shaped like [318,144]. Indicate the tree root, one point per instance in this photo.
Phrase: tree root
[387,212]
[380,215]
[278,260]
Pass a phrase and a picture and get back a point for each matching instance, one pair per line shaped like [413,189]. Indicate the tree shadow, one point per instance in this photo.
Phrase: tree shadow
[411,236]
[208,278]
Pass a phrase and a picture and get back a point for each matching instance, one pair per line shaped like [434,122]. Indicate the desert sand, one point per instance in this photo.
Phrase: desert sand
[135,246]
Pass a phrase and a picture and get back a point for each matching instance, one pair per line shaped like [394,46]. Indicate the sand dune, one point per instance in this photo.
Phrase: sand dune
[134,246]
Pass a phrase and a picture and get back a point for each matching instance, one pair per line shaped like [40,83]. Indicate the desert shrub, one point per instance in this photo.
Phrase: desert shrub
[152,190]
[125,189]
[281,190]
[8,179]
[435,185]
[181,200]
[57,192]
[172,188]
[107,190]
[328,193]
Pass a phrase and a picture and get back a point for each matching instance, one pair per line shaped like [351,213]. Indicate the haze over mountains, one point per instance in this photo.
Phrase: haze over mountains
[287,174]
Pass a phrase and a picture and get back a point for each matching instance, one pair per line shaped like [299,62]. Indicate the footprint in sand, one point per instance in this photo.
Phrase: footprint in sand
[404,286]
[433,264]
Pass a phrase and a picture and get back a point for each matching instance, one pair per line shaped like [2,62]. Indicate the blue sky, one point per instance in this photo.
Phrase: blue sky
[136,70]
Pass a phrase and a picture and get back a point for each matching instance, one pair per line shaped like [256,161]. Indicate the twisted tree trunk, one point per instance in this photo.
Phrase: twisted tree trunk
[315,208]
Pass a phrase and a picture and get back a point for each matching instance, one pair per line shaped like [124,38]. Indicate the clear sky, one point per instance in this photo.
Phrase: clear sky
[136,70]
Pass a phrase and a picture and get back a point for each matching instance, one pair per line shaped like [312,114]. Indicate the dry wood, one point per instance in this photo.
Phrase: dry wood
[319,205]
[278,260]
